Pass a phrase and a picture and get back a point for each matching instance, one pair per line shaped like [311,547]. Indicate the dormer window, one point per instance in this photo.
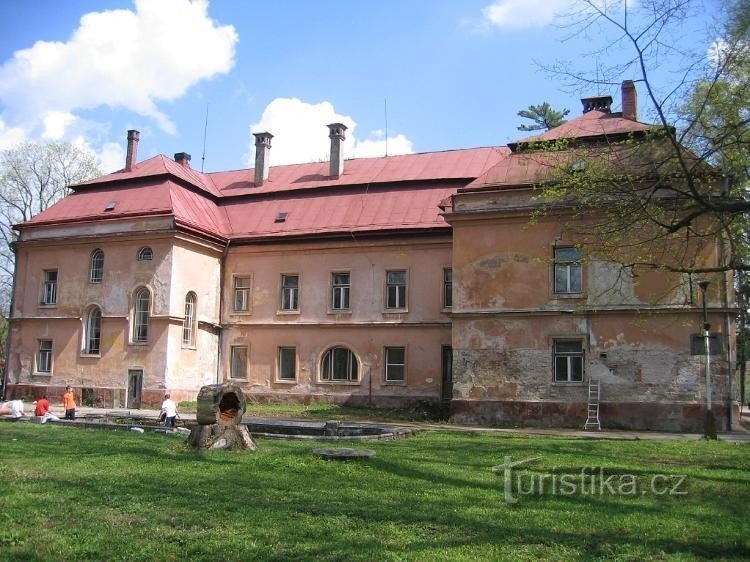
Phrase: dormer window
[281,217]
[145,254]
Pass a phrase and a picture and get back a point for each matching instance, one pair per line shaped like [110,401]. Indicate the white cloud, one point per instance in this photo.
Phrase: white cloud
[118,58]
[301,135]
[55,124]
[10,136]
[111,157]
[524,14]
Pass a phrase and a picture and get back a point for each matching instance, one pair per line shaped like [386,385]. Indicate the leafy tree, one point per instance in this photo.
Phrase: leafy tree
[32,177]
[543,116]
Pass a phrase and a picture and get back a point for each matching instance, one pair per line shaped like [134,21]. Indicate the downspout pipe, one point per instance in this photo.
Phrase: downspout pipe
[220,337]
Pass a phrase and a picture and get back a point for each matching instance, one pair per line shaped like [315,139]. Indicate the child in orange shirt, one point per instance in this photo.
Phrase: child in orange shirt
[69,403]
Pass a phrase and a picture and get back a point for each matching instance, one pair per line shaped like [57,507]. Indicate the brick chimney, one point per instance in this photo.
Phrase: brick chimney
[600,103]
[629,100]
[182,158]
[262,156]
[337,149]
[130,158]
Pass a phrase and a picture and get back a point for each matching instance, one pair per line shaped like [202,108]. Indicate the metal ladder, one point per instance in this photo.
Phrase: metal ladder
[592,410]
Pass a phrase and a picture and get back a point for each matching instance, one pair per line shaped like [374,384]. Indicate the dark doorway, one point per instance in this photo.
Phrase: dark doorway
[446,393]
[135,388]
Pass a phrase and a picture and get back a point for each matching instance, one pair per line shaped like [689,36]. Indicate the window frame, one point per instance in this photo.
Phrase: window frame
[96,266]
[569,357]
[48,353]
[280,363]
[569,266]
[447,287]
[292,291]
[328,363]
[233,355]
[387,363]
[342,290]
[189,320]
[241,290]
[401,291]
[50,288]
[145,253]
[141,317]
[93,335]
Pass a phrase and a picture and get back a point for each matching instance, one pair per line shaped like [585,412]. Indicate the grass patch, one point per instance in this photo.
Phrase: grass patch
[324,411]
[84,494]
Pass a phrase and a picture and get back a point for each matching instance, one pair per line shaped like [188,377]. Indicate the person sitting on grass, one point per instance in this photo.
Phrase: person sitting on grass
[168,411]
[42,410]
[12,409]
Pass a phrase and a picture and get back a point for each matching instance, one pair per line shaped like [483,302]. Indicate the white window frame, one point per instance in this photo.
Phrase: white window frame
[96,266]
[389,364]
[341,292]
[44,356]
[289,301]
[93,332]
[188,322]
[569,360]
[49,287]
[447,287]
[328,365]
[396,289]
[141,315]
[238,360]
[241,293]
[281,363]
[569,269]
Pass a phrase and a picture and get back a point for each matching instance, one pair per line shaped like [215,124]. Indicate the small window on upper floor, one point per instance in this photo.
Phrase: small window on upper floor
[395,290]
[145,254]
[96,266]
[568,271]
[447,287]
[188,323]
[49,287]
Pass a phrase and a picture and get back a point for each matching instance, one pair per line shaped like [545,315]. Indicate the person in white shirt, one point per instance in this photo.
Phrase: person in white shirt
[168,411]
[12,408]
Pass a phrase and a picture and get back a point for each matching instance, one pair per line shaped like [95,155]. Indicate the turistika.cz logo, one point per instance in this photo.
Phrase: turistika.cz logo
[590,480]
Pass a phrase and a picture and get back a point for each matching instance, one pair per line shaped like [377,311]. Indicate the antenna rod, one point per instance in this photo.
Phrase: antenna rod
[385,106]
[205,129]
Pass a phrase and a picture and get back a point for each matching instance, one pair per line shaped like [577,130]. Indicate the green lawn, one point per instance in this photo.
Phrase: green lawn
[77,494]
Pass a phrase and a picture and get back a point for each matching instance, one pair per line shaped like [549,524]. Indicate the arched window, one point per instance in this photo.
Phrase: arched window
[141,315]
[96,266]
[93,331]
[188,324]
[339,364]
[145,254]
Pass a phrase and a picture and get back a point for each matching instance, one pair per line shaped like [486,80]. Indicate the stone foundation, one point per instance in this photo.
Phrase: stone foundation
[652,416]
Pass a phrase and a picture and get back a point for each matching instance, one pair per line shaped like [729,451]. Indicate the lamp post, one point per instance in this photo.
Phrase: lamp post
[709,427]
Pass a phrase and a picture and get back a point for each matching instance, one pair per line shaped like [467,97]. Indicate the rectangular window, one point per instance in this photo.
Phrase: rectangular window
[238,368]
[568,359]
[447,287]
[49,288]
[290,292]
[395,289]
[241,294]
[340,289]
[44,357]
[568,270]
[287,363]
[395,364]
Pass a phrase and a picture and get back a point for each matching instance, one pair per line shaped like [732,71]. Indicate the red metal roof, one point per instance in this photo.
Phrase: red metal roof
[370,195]
[530,167]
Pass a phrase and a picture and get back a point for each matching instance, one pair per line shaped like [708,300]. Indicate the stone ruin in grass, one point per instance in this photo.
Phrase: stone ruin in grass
[219,417]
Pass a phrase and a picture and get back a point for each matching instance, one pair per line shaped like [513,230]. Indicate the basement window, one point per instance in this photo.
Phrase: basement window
[281,217]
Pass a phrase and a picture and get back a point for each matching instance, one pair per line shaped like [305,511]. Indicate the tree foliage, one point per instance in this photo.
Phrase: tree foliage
[543,117]
[662,198]
[32,177]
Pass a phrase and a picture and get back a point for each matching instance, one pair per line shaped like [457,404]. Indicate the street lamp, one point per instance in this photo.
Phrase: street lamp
[709,427]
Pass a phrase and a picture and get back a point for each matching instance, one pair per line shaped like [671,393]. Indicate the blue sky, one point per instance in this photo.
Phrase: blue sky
[454,74]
